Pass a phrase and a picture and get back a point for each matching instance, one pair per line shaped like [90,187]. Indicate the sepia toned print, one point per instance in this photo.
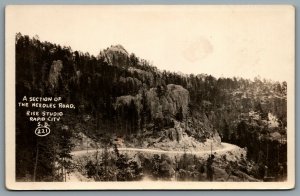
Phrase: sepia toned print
[150,97]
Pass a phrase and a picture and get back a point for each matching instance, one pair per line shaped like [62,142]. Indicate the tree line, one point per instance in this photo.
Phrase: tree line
[94,83]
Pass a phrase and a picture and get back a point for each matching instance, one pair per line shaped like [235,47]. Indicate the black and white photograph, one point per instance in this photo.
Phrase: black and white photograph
[150,97]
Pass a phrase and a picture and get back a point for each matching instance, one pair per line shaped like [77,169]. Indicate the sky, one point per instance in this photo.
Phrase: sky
[224,41]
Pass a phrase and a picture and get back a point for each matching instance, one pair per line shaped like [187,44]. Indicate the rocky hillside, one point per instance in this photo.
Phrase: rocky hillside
[124,99]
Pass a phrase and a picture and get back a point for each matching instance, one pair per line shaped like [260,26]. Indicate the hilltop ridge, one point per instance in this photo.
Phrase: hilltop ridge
[123,99]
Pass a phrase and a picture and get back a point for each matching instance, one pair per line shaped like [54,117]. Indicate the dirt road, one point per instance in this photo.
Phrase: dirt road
[226,147]
[76,177]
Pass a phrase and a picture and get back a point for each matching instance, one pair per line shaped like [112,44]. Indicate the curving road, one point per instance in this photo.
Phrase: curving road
[226,147]
[77,177]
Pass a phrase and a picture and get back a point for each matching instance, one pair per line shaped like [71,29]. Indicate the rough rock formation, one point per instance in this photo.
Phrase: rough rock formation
[126,100]
[115,55]
[172,100]
[54,73]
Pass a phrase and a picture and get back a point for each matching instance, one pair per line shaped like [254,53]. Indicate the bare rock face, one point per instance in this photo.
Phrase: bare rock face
[55,73]
[115,55]
[172,100]
[127,100]
[176,133]
[179,134]
[171,134]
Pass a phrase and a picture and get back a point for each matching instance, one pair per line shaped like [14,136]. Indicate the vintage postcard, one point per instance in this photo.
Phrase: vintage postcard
[116,97]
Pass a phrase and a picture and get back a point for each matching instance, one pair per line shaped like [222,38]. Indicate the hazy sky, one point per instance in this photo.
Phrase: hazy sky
[223,41]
